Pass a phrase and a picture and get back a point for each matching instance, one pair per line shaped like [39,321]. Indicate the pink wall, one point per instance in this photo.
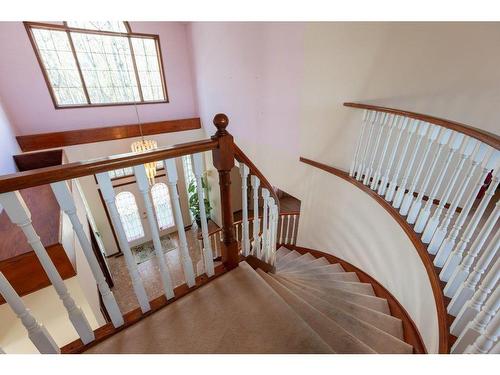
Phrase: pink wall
[8,144]
[28,103]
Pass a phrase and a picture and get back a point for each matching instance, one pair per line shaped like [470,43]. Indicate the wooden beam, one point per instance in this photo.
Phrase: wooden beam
[43,141]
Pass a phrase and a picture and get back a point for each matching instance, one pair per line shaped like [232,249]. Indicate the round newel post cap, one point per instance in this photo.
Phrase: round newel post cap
[221,122]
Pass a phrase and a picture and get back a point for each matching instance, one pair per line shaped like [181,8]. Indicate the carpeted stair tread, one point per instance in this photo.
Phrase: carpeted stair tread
[387,323]
[333,275]
[286,259]
[340,340]
[281,252]
[301,261]
[316,262]
[236,313]
[351,286]
[372,302]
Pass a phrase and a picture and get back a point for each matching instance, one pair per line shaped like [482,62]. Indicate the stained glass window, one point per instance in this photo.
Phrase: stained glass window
[99,63]
[162,205]
[129,215]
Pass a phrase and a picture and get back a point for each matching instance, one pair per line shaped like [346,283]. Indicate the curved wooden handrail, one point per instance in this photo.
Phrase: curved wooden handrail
[486,137]
[242,158]
[432,274]
[23,180]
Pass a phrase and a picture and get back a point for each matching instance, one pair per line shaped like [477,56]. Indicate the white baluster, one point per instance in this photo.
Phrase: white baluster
[394,122]
[495,349]
[287,234]
[187,264]
[360,169]
[385,178]
[443,255]
[412,127]
[424,213]
[275,235]
[281,220]
[433,222]
[37,333]
[255,182]
[108,195]
[407,201]
[67,204]
[477,325]
[19,214]
[293,229]
[398,198]
[489,334]
[244,171]
[417,203]
[2,351]
[270,234]
[355,159]
[442,230]
[474,305]
[462,271]
[265,197]
[467,289]
[456,255]
[379,129]
[143,185]
[208,256]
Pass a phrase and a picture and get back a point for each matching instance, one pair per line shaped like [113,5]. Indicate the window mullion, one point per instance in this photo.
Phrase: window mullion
[141,96]
[84,85]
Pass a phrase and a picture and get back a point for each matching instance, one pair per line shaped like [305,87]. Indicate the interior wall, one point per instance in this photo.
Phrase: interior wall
[8,144]
[28,103]
[283,85]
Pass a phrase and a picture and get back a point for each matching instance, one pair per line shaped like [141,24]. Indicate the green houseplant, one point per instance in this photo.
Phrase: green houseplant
[194,206]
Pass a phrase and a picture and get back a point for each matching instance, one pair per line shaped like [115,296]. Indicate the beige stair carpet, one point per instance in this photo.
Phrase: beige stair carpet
[236,313]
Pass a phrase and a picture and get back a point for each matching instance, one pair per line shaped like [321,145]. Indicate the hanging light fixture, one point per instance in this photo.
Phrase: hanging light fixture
[143,145]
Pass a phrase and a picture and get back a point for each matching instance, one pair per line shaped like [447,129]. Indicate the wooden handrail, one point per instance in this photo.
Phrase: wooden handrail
[23,180]
[486,137]
[432,274]
[242,158]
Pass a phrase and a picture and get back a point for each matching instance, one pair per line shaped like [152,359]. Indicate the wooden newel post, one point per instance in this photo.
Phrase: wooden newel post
[223,158]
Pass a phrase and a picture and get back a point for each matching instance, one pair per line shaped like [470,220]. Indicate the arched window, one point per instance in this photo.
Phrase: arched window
[129,215]
[163,207]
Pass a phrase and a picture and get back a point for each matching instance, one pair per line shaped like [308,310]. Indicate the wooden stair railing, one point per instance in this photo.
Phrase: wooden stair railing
[395,161]
[222,147]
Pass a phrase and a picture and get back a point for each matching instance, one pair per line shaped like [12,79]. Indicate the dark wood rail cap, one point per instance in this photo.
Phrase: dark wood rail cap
[486,137]
[242,158]
[23,180]
[43,141]
[431,271]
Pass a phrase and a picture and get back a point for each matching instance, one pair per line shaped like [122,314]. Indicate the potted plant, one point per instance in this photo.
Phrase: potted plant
[194,206]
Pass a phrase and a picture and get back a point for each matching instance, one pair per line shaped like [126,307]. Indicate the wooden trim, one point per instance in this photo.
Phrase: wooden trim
[432,272]
[486,137]
[410,331]
[255,263]
[35,160]
[34,142]
[134,316]
[240,156]
[129,34]
[23,180]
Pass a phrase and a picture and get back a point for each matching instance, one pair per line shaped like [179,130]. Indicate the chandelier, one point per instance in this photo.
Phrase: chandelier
[145,145]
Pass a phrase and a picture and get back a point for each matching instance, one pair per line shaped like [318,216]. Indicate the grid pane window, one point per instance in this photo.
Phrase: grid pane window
[162,205]
[107,68]
[102,66]
[148,68]
[129,215]
[116,26]
[60,66]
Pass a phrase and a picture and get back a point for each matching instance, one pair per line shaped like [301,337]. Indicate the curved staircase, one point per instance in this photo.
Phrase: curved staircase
[306,306]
